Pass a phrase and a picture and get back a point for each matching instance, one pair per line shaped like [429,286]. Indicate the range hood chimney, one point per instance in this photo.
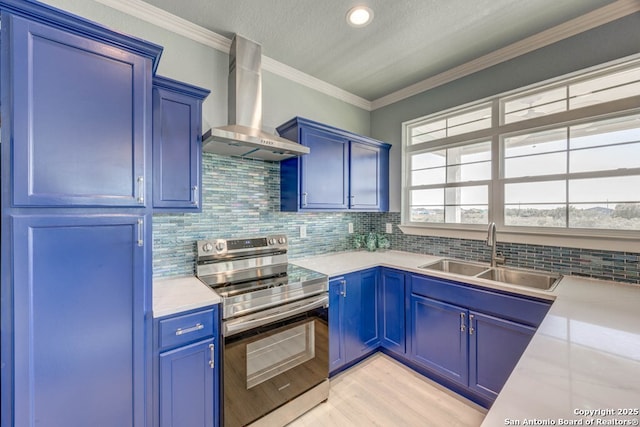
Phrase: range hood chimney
[243,137]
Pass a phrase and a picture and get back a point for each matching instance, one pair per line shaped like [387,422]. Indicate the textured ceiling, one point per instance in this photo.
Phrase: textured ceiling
[408,40]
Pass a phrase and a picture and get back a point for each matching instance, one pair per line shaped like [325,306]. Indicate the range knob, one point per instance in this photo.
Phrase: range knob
[282,240]
[271,242]
[219,246]
[207,247]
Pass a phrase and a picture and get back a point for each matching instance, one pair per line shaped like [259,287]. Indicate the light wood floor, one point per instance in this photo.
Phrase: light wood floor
[382,392]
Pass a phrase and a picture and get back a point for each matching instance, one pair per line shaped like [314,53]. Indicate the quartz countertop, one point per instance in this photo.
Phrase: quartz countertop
[581,366]
[176,294]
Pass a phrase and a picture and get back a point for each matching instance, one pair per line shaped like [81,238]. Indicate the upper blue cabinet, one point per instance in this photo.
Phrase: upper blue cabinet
[177,145]
[344,171]
[80,97]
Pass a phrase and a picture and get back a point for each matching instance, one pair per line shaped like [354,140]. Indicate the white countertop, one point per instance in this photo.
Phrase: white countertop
[177,294]
[584,356]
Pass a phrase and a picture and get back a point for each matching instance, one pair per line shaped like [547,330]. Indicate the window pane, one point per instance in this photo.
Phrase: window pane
[429,160]
[545,164]
[548,215]
[605,158]
[472,172]
[535,192]
[467,214]
[428,177]
[607,95]
[615,189]
[432,197]
[533,112]
[535,99]
[426,214]
[467,195]
[469,153]
[620,216]
[607,132]
[536,143]
[605,88]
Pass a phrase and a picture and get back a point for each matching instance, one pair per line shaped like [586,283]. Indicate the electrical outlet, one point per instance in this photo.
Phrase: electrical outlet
[350,228]
[388,228]
[303,231]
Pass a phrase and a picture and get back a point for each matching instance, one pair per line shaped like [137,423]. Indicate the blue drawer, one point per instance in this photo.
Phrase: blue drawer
[184,329]
[510,307]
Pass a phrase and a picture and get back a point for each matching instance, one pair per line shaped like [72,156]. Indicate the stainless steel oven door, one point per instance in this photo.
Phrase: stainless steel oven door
[268,365]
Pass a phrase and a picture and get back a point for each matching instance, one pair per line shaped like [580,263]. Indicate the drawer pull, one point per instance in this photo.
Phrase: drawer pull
[197,327]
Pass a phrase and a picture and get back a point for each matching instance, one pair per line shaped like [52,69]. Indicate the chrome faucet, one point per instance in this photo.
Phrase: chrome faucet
[491,241]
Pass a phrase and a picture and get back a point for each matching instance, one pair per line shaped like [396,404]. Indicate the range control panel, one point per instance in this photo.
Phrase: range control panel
[230,247]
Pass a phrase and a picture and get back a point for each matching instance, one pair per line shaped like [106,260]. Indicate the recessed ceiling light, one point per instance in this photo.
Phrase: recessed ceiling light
[359,16]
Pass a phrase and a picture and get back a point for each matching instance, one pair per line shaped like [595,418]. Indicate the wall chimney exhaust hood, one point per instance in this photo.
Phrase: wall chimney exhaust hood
[243,137]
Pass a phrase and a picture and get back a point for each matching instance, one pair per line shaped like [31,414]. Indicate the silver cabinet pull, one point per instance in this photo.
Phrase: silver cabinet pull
[353,201]
[194,189]
[344,288]
[462,322]
[471,328]
[140,232]
[304,199]
[197,327]
[212,351]
[141,189]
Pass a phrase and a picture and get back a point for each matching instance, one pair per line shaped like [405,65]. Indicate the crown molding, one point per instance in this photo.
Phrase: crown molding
[588,21]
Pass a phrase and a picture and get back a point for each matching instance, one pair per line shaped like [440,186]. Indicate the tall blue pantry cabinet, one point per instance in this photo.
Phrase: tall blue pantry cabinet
[76,221]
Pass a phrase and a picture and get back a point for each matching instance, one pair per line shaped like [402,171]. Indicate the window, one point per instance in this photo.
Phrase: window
[532,160]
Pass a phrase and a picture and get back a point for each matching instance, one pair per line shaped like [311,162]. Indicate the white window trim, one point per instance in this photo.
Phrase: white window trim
[615,240]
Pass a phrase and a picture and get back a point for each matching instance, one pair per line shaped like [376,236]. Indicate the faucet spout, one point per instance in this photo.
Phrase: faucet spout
[491,241]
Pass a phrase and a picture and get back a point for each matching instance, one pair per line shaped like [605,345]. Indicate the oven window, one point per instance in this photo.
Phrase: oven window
[275,354]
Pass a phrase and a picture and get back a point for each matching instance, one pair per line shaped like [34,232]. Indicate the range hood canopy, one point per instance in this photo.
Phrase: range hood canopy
[243,137]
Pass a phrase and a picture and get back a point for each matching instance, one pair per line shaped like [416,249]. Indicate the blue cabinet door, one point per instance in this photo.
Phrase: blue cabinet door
[495,347]
[365,308]
[439,338]
[79,119]
[81,305]
[177,145]
[187,386]
[337,353]
[392,310]
[369,176]
[324,172]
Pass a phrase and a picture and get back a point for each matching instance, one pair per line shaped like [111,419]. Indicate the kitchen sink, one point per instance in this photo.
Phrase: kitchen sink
[456,267]
[531,279]
[513,276]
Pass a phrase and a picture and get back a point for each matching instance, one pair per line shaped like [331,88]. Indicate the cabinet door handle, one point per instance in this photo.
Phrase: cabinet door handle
[141,189]
[194,189]
[211,360]
[140,232]
[471,328]
[462,322]
[304,199]
[353,201]
[197,327]
[344,288]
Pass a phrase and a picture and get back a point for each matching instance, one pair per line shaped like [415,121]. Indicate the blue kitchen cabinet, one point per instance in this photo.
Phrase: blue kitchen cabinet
[79,341]
[177,145]
[187,360]
[495,346]
[439,338]
[343,171]
[353,317]
[467,336]
[79,113]
[392,310]
[76,225]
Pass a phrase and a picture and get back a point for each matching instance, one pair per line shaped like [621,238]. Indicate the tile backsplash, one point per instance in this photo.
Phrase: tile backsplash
[242,198]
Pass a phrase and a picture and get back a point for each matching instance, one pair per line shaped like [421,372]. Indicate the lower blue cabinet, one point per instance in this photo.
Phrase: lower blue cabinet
[187,369]
[353,317]
[495,346]
[439,338]
[392,310]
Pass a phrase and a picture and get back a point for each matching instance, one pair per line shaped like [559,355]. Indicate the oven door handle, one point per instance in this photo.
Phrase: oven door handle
[233,327]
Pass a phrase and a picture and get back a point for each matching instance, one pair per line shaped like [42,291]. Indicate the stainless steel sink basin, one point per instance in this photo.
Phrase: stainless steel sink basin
[457,267]
[531,279]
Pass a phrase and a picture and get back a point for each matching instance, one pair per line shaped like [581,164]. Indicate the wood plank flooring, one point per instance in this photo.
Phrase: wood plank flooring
[382,392]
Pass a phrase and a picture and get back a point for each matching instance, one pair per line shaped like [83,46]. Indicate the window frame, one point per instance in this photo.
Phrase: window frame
[581,237]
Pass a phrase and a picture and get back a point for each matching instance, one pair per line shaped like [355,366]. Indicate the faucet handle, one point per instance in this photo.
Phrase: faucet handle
[500,260]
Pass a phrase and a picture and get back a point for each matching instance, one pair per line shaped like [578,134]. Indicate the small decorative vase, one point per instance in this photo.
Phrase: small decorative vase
[383,242]
[358,241]
[372,242]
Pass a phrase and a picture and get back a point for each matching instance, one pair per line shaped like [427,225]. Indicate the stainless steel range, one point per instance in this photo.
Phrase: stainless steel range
[274,326]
